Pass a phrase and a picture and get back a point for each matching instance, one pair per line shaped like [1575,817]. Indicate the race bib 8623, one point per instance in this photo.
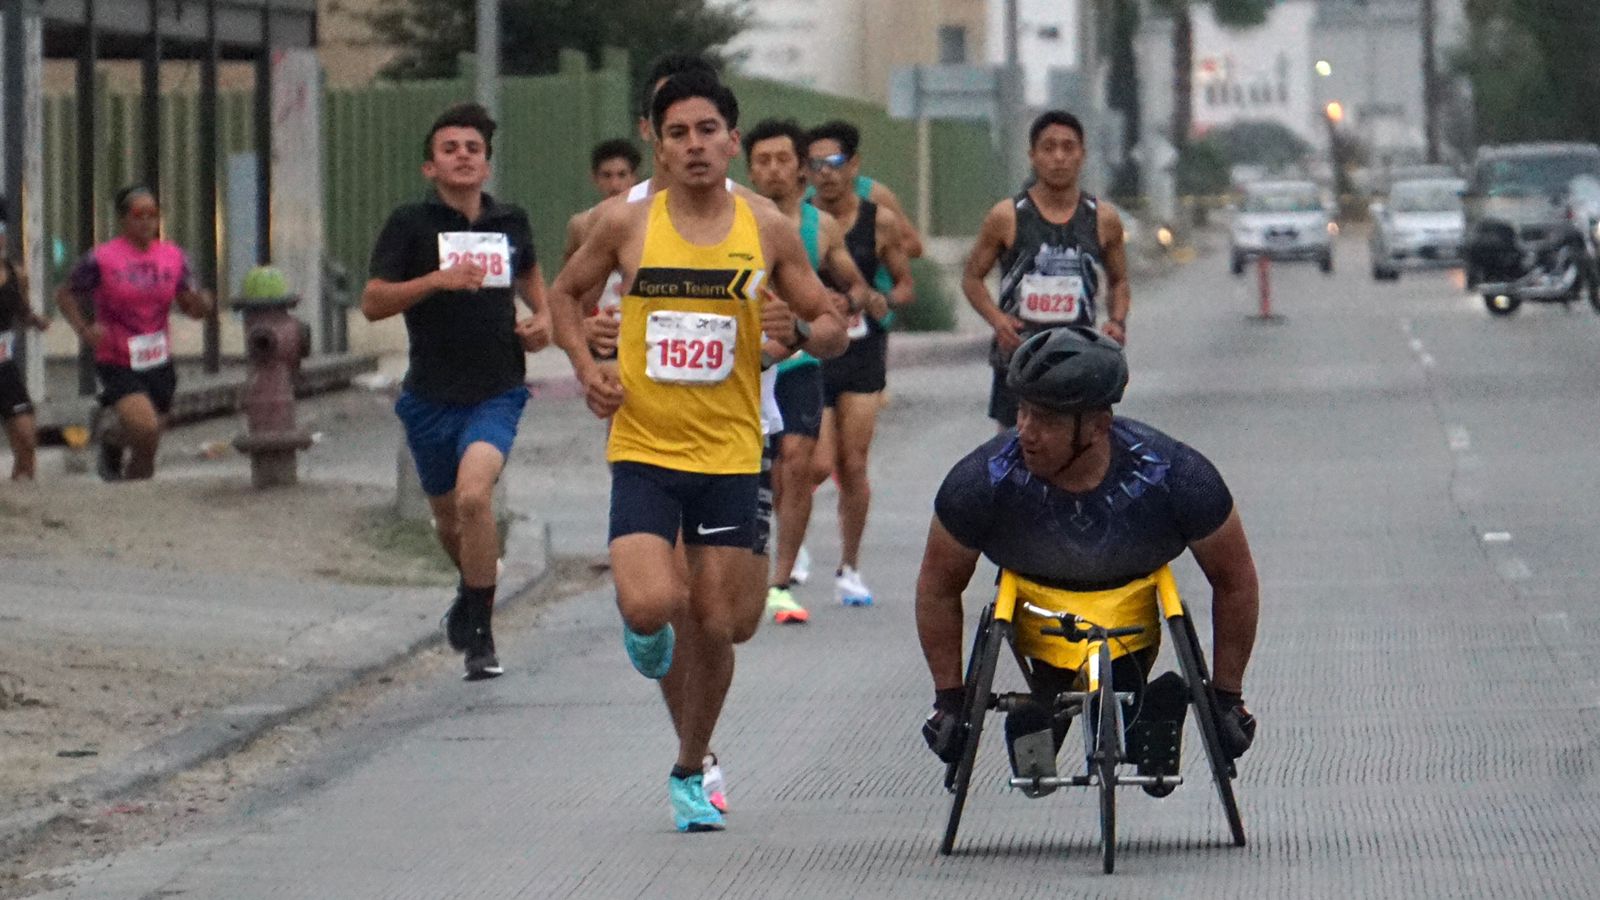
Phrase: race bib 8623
[490,250]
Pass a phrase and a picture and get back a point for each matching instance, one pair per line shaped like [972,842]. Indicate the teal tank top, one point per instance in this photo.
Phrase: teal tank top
[810,235]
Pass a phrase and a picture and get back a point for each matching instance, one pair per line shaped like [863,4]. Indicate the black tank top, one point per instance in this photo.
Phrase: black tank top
[861,242]
[1050,275]
[11,302]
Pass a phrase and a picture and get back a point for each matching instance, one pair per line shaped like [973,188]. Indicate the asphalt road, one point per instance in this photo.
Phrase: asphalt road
[1418,480]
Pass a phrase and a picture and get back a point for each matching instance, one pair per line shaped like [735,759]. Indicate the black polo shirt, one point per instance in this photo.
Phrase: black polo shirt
[464,347]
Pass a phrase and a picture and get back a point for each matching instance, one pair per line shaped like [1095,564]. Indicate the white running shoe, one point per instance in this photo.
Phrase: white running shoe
[850,589]
[716,787]
[801,572]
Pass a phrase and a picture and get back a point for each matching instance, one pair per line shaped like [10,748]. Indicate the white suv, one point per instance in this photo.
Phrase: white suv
[1282,220]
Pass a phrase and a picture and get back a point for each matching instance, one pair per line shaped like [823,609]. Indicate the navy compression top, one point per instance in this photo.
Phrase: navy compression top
[1158,497]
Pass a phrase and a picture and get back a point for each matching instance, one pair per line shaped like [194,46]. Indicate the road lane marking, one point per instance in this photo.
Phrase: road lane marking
[1460,440]
[1497,537]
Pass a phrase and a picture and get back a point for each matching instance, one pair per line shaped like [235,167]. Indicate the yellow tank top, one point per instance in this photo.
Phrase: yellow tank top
[689,353]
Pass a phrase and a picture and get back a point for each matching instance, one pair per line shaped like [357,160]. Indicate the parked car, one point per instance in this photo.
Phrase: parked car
[1530,216]
[1419,225]
[1282,220]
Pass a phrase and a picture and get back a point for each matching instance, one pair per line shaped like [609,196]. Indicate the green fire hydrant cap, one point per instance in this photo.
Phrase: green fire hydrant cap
[265,283]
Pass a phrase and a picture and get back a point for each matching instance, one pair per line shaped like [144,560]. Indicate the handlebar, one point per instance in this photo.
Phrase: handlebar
[1076,628]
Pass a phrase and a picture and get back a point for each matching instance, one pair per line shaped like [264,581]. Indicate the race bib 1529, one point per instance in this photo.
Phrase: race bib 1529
[491,251]
[690,348]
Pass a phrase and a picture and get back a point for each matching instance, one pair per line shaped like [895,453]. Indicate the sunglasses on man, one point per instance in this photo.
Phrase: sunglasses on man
[833,161]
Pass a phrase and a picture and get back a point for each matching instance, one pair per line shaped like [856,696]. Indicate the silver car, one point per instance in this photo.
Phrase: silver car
[1420,225]
[1282,220]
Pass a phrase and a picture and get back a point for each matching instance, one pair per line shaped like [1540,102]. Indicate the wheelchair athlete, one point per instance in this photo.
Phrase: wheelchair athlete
[1079,500]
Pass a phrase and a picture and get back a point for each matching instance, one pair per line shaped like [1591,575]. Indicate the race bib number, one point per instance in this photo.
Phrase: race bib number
[690,348]
[858,327]
[147,351]
[1051,299]
[491,251]
[8,346]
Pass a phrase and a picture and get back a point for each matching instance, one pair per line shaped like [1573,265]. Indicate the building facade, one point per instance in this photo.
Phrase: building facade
[850,47]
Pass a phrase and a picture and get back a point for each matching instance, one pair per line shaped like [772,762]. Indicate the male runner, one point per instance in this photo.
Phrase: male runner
[1051,241]
[454,266]
[685,444]
[775,150]
[1078,499]
[876,191]
[16,407]
[853,383]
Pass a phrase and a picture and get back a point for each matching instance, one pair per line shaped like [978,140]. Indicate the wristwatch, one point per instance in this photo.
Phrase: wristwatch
[802,333]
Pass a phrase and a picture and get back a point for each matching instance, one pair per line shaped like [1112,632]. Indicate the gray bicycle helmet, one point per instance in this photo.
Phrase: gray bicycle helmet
[1070,370]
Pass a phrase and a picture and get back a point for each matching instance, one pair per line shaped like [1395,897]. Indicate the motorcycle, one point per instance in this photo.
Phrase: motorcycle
[1559,263]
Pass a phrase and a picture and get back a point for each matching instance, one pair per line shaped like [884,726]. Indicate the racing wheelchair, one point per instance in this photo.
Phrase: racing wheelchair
[1045,625]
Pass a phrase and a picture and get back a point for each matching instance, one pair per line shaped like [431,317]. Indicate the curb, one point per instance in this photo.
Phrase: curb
[218,732]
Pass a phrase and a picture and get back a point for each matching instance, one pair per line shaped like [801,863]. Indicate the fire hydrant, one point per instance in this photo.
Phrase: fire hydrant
[274,344]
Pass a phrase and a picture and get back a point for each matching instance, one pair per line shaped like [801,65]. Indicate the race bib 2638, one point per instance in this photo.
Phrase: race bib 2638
[491,251]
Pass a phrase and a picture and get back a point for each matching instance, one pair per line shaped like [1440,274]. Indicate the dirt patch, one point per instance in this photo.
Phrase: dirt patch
[71,705]
[331,530]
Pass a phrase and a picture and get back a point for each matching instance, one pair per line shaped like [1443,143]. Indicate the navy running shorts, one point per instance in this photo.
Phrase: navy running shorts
[440,433]
[14,399]
[159,384]
[710,510]
[1002,402]
[799,393]
[763,526]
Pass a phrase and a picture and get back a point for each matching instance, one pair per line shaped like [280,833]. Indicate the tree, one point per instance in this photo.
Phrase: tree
[1269,144]
[1229,13]
[1534,66]
[432,34]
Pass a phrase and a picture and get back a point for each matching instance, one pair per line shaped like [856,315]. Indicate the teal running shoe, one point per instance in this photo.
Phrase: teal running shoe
[691,811]
[651,654]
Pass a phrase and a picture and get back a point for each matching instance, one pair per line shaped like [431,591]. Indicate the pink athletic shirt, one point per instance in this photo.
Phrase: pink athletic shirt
[133,291]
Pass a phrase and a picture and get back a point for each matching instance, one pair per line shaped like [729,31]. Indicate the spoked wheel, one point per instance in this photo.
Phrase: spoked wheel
[1106,752]
[1187,645]
[980,680]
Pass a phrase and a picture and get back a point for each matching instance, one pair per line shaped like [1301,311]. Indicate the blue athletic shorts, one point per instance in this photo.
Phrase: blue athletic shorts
[711,510]
[440,433]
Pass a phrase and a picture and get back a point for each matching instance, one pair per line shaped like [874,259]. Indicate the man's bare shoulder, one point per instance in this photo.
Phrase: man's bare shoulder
[769,217]
[615,213]
[756,201]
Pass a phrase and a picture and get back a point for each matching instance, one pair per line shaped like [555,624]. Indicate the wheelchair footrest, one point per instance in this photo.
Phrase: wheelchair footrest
[1156,746]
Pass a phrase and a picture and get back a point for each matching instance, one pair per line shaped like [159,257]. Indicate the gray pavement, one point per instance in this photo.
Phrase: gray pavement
[1417,481]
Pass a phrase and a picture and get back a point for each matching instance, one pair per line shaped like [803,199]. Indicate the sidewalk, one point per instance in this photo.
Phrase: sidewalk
[132,652]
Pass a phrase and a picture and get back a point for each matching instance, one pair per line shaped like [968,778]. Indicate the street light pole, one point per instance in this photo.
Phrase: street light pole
[488,52]
[1430,82]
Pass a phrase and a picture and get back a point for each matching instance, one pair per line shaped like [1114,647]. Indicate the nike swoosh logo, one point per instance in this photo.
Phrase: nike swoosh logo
[703,530]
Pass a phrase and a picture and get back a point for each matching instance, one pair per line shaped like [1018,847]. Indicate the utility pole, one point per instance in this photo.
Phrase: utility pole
[488,51]
[1430,82]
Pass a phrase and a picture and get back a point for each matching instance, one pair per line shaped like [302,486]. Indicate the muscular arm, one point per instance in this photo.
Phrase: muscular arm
[1114,243]
[909,238]
[195,304]
[892,253]
[381,299]
[994,236]
[797,283]
[947,567]
[588,267]
[839,264]
[1224,557]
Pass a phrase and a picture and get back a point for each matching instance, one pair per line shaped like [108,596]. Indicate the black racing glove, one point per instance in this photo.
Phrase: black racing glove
[1236,727]
[940,729]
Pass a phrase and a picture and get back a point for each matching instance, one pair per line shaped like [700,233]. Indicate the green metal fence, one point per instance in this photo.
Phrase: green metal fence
[372,152]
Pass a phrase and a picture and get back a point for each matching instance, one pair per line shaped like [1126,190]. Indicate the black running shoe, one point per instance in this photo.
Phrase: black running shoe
[1157,738]
[108,456]
[481,660]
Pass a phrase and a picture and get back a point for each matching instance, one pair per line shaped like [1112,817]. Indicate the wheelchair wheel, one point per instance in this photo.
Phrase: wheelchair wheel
[1195,672]
[980,680]
[1106,753]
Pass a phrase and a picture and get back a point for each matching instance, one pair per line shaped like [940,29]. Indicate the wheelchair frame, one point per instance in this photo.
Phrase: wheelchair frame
[1103,735]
